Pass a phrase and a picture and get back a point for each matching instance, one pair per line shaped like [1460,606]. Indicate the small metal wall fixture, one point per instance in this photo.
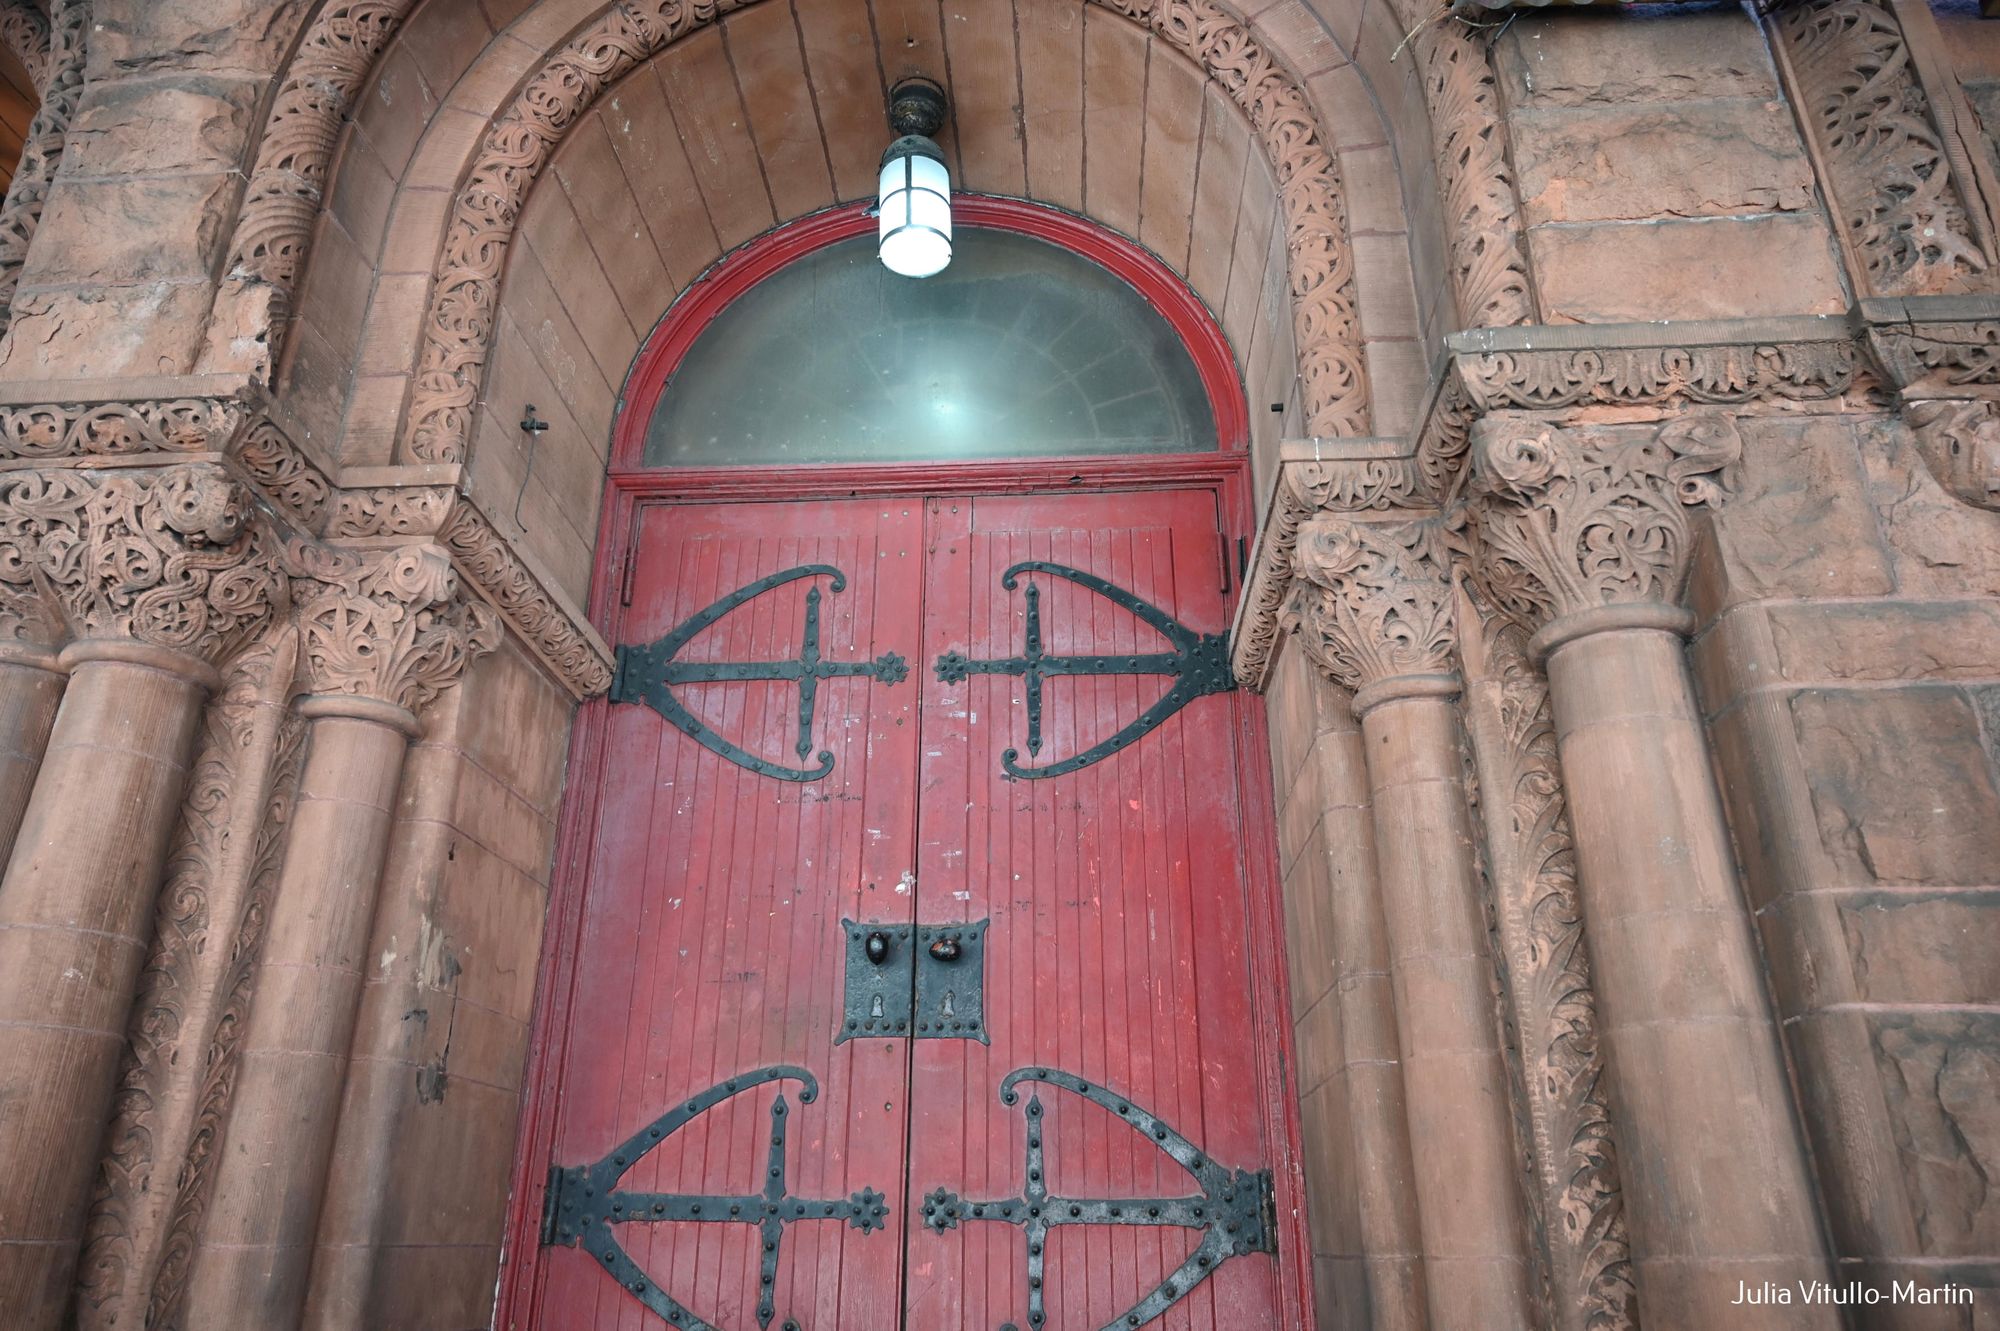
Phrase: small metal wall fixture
[1236,1209]
[1198,664]
[917,981]
[646,673]
[583,1202]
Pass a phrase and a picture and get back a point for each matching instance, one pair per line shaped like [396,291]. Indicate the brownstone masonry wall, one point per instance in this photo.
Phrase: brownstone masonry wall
[1626,600]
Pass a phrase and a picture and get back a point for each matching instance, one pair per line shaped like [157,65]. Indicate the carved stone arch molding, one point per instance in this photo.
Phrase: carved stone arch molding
[344,40]
[60,81]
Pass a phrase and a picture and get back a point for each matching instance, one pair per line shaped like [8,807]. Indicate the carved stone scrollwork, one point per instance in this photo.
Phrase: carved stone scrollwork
[459,322]
[24,30]
[1305,487]
[62,87]
[1372,604]
[1572,521]
[392,625]
[1470,139]
[288,182]
[1574,1184]
[40,513]
[171,558]
[490,563]
[1960,442]
[1899,180]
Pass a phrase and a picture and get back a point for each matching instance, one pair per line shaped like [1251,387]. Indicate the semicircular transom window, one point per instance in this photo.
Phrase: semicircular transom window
[1019,348]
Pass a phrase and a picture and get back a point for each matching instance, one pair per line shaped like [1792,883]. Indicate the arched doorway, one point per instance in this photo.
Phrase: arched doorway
[920,966]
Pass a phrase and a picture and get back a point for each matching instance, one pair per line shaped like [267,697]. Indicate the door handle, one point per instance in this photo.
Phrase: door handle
[945,948]
[878,947]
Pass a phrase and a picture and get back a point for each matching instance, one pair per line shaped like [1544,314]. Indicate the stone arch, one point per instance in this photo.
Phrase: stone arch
[458,323]
[344,41]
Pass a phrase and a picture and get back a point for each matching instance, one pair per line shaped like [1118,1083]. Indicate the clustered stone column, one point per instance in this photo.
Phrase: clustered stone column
[160,575]
[1374,610]
[381,633]
[1584,536]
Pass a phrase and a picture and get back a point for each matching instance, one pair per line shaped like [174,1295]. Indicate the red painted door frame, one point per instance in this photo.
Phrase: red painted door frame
[629,486]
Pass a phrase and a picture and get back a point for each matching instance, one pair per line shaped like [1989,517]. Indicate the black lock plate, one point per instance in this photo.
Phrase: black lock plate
[951,982]
[880,960]
[924,982]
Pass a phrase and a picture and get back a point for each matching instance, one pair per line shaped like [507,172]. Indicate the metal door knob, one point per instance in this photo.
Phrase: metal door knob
[878,947]
[945,949]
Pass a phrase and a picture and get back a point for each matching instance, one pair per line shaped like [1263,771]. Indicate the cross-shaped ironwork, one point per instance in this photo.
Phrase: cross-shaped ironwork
[647,673]
[1198,664]
[1234,1208]
[583,1202]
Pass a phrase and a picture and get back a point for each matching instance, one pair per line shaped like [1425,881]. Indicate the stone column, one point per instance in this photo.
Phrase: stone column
[381,633]
[1584,536]
[31,686]
[163,574]
[1377,1109]
[1375,612]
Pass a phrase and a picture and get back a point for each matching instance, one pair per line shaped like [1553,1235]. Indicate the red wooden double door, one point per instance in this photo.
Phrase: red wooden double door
[915,985]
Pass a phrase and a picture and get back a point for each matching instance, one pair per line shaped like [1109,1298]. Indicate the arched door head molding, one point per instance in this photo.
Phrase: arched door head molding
[458,323]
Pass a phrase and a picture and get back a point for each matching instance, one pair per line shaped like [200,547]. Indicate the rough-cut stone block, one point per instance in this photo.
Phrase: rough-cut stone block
[1941,1077]
[126,231]
[1902,789]
[153,126]
[1923,947]
[1799,524]
[1608,59]
[1635,272]
[1939,545]
[1703,159]
[229,35]
[152,329]
[1882,641]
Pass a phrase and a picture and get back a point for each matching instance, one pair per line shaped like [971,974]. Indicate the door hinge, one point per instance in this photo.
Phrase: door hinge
[1269,1210]
[625,574]
[552,1206]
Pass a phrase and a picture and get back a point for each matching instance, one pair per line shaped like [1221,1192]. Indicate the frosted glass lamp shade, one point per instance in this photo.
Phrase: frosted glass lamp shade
[914,233]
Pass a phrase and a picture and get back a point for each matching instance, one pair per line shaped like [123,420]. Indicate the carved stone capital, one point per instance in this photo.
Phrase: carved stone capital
[1959,439]
[173,559]
[1580,529]
[1372,605]
[389,626]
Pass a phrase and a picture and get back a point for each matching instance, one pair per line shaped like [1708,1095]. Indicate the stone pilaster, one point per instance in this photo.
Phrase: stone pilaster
[381,632]
[1373,607]
[160,575]
[1584,536]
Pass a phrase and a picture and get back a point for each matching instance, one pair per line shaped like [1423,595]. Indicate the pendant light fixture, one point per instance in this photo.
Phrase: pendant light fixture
[914,199]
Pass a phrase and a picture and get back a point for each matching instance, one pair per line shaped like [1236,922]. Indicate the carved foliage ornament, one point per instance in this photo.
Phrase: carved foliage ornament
[459,323]
[62,86]
[169,557]
[1892,177]
[490,563]
[389,624]
[1571,520]
[1538,917]
[1373,598]
[289,179]
[1960,442]
[24,30]
[1476,179]
[1305,488]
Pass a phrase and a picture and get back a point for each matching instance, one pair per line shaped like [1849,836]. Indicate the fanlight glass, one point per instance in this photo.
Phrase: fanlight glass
[914,233]
[1019,348]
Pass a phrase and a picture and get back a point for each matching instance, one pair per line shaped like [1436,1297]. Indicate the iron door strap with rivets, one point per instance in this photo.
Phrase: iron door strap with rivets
[1234,1211]
[583,1202]
[878,898]
[648,672]
[1198,664]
